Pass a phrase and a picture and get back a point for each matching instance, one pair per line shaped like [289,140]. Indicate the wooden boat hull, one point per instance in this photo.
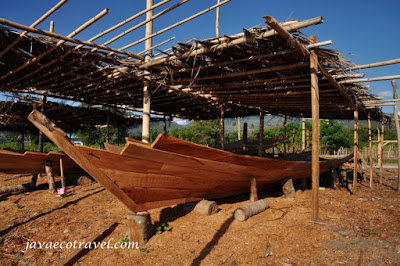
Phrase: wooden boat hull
[34,162]
[145,177]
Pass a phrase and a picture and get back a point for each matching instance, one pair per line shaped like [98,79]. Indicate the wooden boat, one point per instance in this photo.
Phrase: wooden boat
[172,171]
[34,162]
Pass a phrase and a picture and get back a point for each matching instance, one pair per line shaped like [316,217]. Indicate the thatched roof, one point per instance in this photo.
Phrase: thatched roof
[248,72]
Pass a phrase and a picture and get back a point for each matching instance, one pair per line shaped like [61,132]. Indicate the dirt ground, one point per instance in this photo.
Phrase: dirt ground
[361,229]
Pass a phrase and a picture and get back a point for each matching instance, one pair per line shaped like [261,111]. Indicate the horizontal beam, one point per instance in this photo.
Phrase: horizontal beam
[377,64]
[370,79]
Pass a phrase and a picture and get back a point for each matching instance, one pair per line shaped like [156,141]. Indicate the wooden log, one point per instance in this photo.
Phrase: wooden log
[50,177]
[244,145]
[261,135]
[382,63]
[370,79]
[253,189]
[355,152]
[84,180]
[141,228]
[239,127]
[81,251]
[246,211]
[222,127]
[382,149]
[288,188]
[20,188]
[396,121]
[371,170]
[42,108]
[315,173]
[206,207]
[217,20]
[62,173]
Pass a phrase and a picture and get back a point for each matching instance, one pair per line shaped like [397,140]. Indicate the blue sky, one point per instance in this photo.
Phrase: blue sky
[364,31]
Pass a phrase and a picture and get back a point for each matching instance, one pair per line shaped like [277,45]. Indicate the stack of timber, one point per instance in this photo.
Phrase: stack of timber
[173,171]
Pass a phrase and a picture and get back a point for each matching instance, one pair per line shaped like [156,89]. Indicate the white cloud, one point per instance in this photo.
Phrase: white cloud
[385,94]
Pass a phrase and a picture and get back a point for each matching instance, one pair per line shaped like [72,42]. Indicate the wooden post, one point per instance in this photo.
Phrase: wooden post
[355,151]
[217,20]
[62,173]
[315,130]
[23,141]
[108,128]
[371,170]
[396,121]
[50,177]
[303,134]
[288,188]
[244,136]
[382,148]
[40,144]
[284,136]
[308,140]
[164,123]
[238,126]
[146,87]
[222,128]
[253,189]
[261,136]
[293,140]
[378,151]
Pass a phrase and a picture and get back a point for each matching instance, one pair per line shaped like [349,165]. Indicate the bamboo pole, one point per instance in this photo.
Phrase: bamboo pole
[315,130]
[396,121]
[379,150]
[239,127]
[217,20]
[176,24]
[356,75]
[308,140]
[370,79]
[382,149]
[292,27]
[222,127]
[42,109]
[371,170]
[62,173]
[284,135]
[303,134]
[65,38]
[59,43]
[34,24]
[382,63]
[293,139]
[355,169]
[261,135]
[157,45]
[147,83]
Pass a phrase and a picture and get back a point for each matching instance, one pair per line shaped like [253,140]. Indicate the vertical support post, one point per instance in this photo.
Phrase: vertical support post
[284,136]
[239,127]
[378,151]
[303,134]
[50,177]
[371,170]
[253,189]
[355,150]
[308,140]
[40,144]
[217,21]
[108,128]
[164,123]
[315,130]
[62,173]
[382,149]
[23,141]
[396,121]
[146,87]
[293,140]
[222,128]
[244,136]
[261,135]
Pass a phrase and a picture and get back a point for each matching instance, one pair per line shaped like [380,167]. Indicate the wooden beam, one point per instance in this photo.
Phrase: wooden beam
[371,171]
[355,169]
[217,20]
[315,172]
[382,63]
[370,79]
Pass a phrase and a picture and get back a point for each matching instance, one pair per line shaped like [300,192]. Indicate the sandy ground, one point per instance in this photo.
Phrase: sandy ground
[361,229]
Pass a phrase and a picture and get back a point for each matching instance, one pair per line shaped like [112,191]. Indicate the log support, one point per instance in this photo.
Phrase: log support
[355,151]
[396,121]
[62,173]
[381,150]
[206,207]
[303,134]
[284,135]
[293,140]
[40,144]
[308,140]
[140,227]
[261,136]
[253,189]
[243,213]
[371,170]
[222,127]
[50,177]
[238,128]
[244,141]
[288,188]
[315,171]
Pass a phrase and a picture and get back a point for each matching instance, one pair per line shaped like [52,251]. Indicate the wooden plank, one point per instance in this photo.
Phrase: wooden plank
[61,140]
[113,148]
